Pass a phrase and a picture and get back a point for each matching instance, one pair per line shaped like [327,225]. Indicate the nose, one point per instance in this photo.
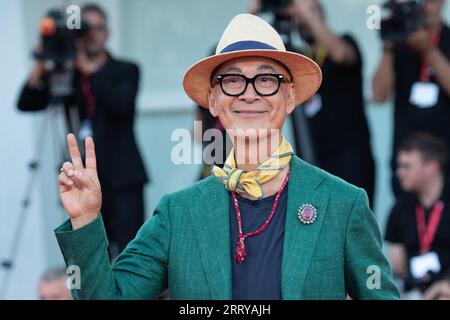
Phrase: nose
[249,94]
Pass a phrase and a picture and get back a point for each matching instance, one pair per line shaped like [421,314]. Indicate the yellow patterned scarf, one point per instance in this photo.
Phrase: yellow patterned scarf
[239,181]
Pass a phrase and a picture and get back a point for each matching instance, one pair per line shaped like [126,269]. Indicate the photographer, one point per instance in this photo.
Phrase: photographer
[417,72]
[104,92]
[417,228]
[338,125]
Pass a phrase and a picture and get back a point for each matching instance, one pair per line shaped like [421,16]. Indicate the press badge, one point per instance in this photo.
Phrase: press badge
[313,106]
[424,94]
[421,265]
[85,130]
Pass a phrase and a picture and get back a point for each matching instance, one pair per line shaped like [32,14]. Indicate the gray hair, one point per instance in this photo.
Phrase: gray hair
[55,273]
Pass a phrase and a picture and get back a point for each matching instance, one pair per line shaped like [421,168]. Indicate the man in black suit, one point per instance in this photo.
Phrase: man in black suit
[104,92]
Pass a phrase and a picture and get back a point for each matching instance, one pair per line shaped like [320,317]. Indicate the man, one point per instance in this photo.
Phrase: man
[336,115]
[53,285]
[266,225]
[104,92]
[417,72]
[418,224]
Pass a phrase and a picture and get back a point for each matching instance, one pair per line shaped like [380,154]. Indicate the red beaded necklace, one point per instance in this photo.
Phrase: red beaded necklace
[241,252]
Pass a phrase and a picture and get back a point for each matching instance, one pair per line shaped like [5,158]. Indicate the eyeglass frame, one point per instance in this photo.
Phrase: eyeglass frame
[280,77]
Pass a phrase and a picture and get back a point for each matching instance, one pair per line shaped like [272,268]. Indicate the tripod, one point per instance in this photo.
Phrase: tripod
[50,120]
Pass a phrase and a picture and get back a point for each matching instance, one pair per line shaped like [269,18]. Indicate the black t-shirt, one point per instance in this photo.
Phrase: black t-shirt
[407,117]
[259,276]
[402,229]
[340,123]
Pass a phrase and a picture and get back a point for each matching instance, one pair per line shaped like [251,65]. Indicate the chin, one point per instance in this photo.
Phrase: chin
[407,187]
[93,50]
[252,129]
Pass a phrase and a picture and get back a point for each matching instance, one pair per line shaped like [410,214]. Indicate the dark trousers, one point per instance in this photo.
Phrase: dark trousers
[123,215]
[354,165]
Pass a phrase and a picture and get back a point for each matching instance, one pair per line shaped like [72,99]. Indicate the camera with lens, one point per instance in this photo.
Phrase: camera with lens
[58,51]
[400,18]
[275,6]
[282,22]
[58,41]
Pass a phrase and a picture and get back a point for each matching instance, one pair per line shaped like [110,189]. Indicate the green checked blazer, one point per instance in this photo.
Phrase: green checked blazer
[186,246]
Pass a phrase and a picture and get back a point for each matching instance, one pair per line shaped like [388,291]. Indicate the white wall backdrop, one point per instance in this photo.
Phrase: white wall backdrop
[16,144]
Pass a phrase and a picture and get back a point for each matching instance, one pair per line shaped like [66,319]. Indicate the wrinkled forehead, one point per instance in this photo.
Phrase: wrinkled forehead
[251,65]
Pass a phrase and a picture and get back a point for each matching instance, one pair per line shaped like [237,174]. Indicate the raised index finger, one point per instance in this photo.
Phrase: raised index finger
[74,151]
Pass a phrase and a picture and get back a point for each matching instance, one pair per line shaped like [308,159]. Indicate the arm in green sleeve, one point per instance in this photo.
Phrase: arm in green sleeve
[140,272]
[367,271]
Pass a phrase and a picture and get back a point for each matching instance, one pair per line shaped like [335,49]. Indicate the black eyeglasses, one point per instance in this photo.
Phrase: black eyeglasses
[266,84]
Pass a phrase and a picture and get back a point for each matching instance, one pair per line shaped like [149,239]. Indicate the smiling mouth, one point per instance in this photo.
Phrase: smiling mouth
[250,113]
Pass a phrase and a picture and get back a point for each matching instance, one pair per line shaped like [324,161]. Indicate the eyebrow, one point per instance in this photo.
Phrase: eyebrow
[262,67]
[265,67]
[232,69]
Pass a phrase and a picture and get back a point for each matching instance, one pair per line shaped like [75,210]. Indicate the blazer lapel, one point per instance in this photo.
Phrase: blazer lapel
[300,239]
[211,222]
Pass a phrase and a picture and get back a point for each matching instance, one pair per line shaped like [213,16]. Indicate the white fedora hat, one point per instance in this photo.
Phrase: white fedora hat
[247,35]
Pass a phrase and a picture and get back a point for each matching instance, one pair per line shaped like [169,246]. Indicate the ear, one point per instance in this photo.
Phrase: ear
[291,98]
[212,103]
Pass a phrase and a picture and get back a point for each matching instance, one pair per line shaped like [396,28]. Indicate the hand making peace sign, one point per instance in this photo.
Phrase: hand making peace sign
[79,187]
